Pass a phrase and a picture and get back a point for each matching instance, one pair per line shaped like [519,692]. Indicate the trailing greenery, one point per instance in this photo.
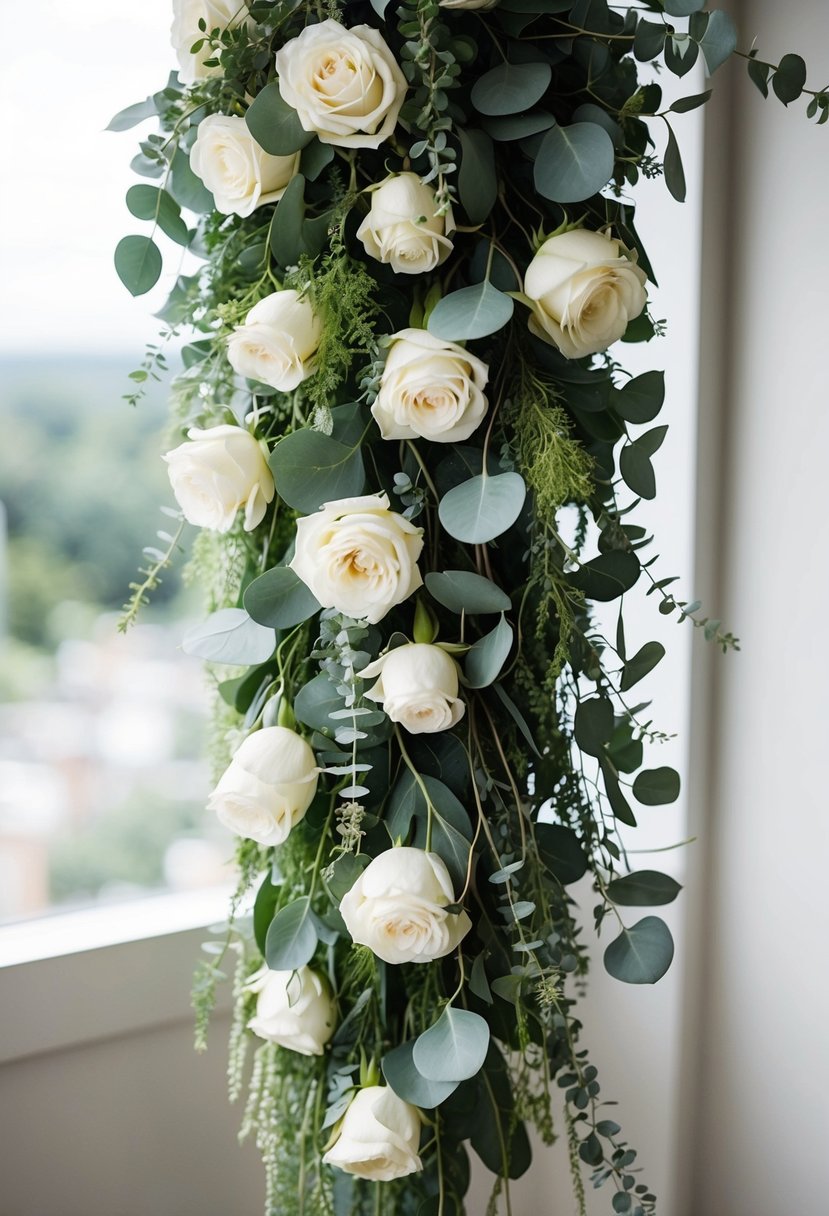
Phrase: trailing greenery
[400,326]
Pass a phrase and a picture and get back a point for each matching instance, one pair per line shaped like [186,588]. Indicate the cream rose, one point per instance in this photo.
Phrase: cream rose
[277,342]
[344,84]
[268,787]
[185,32]
[402,228]
[584,288]
[218,471]
[358,556]
[418,687]
[236,171]
[397,907]
[431,389]
[379,1137]
[293,1009]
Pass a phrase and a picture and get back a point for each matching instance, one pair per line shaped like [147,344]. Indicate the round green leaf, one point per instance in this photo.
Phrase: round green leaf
[489,654]
[138,263]
[477,181]
[403,1077]
[789,79]
[719,40]
[152,203]
[574,162]
[519,126]
[472,312]
[280,599]
[656,786]
[315,701]
[274,124]
[132,115]
[637,471]
[188,190]
[310,469]
[641,954]
[607,576]
[642,397]
[230,636]
[511,88]
[641,664]
[561,852]
[482,508]
[593,724]
[646,888]
[454,1049]
[292,937]
[463,591]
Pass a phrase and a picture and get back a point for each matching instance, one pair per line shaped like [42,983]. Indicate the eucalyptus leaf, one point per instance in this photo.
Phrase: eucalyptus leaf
[518,126]
[789,79]
[153,203]
[477,179]
[132,115]
[292,937]
[637,471]
[642,398]
[641,664]
[593,724]
[186,188]
[463,591]
[607,576]
[472,312]
[315,701]
[274,124]
[279,598]
[683,8]
[230,636]
[138,263]
[561,851]
[454,1048]
[486,658]
[657,786]
[719,42]
[648,40]
[645,888]
[482,508]
[641,954]
[574,163]
[409,1084]
[511,88]
[310,469]
[264,907]
[674,172]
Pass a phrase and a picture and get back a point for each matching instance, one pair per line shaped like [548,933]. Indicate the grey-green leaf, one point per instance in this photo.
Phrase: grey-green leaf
[674,172]
[483,507]
[518,126]
[719,41]
[645,888]
[310,468]
[641,954]
[574,162]
[279,598]
[641,664]
[274,124]
[642,397]
[138,263]
[489,654]
[511,88]
[132,115]
[473,312]
[463,591]
[152,203]
[402,1075]
[292,937]
[454,1049]
[230,636]
[477,180]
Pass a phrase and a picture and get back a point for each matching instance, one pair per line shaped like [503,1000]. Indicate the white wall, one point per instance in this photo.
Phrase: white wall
[760,1060]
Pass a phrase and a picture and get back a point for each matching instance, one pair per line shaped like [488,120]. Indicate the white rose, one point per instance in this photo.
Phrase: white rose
[344,84]
[277,342]
[218,471]
[430,388]
[418,687]
[185,32]
[397,907]
[293,1009]
[402,229]
[584,288]
[268,787]
[379,1137]
[239,174]
[358,557]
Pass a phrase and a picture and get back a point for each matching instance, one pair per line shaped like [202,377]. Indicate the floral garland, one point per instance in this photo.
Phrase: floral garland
[404,439]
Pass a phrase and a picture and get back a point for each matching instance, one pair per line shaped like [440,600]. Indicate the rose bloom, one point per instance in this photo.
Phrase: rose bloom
[268,787]
[402,229]
[277,342]
[293,1009]
[431,389]
[345,84]
[220,470]
[379,1137]
[239,174]
[584,288]
[418,687]
[397,907]
[358,557]
[185,32]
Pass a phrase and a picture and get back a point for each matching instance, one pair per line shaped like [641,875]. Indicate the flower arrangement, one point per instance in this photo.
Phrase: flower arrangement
[415,464]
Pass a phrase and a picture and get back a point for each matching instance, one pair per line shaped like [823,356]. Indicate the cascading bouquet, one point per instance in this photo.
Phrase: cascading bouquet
[415,467]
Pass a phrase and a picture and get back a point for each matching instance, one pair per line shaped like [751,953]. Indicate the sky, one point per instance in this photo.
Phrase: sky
[62,207]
